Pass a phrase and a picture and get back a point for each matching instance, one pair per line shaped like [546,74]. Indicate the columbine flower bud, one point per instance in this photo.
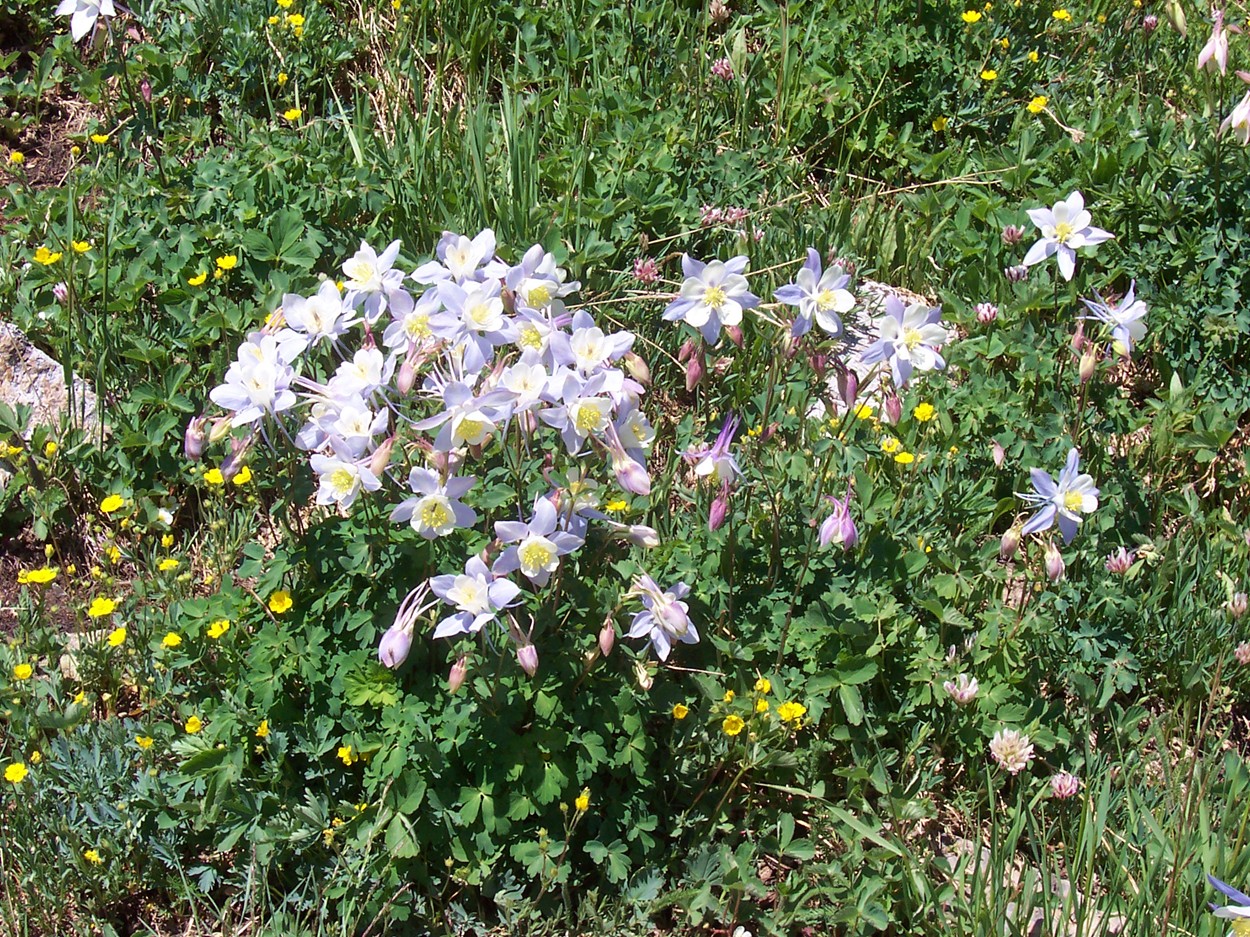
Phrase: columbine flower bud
[1000,454]
[1089,361]
[735,334]
[1054,562]
[819,363]
[839,527]
[459,670]
[407,376]
[145,91]
[632,476]
[694,370]
[1010,543]
[1078,337]
[1237,604]
[61,292]
[720,508]
[637,368]
[848,386]
[1120,561]
[986,313]
[527,657]
[395,644]
[1016,274]
[382,457]
[607,636]
[642,675]
[642,536]
[1013,234]
[892,411]
[1064,785]
[221,429]
[193,439]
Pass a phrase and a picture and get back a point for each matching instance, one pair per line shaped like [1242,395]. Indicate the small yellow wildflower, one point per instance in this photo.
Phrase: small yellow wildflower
[285,4]
[924,412]
[396,4]
[262,730]
[346,756]
[167,540]
[218,628]
[971,16]
[198,279]
[100,607]
[904,458]
[23,672]
[1033,55]
[117,637]
[100,138]
[681,711]
[728,697]
[889,445]
[49,449]
[761,705]
[280,602]
[218,273]
[39,577]
[75,150]
[171,639]
[113,553]
[112,503]
[17,157]
[292,113]
[282,78]
[763,685]
[93,856]
[1004,43]
[45,256]
[214,477]
[144,741]
[616,507]
[168,564]
[227,261]
[732,725]
[1062,15]
[80,247]
[193,725]
[295,20]
[1038,104]
[15,773]
[242,477]
[582,803]
[272,21]
[298,31]
[863,411]
[988,74]
[791,712]
[80,697]
[36,757]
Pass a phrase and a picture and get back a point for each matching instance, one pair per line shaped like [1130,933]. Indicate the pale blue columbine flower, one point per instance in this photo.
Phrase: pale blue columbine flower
[908,337]
[1065,228]
[313,319]
[473,321]
[466,420]
[342,479]
[1073,495]
[839,527]
[258,382]
[587,348]
[372,279]
[83,14]
[665,619]
[397,641]
[539,545]
[713,295]
[367,371]
[477,594]
[436,510]
[1125,319]
[1238,914]
[716,461]
[585,412]
[461,259]
[538,284]
[818,295]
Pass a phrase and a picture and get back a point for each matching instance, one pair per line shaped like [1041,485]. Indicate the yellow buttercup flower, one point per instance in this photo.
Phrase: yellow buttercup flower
[100,607]
[763,685]
[272,21]
[23,672]
[227,261]
[171,639]
[761,705]
[49,449]
[904,458]
[863,411]
[681,711]
[45,256]
[92,856]
[214,477]
[38,577]
[292,113]
[217,628]
[924,413]
[16,157]
[112,503]
[1038,104]
[36,757]
[198,279]
[80,247]
[971,16]
[285,4]
[615,507]
[295,19]
[100,138]
[582,803]
[262,730]
[889,445]
[732,725]
[1004,43]
[1033,55]
[168,564]
[280,602]
[15,773]
[728,697]
[167,540]
[791,712]
[346,755]
[193,725]
[117,637]
[144,741]
[1062,15]
[989,74]
[282,78]
[242,477]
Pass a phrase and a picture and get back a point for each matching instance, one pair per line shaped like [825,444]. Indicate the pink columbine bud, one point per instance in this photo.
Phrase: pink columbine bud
[986,313]
[642,536]
[723,70]
[1078,337]
[607,636]
[459,670]
[1016,274]
[395,644]
[695,368]
[646,270]
[999,453]
[643,675]
[848,386]
[1054,562]
[61,292]
[819,363]
[1064,785]
[720,508]
[1013,234]
[145,91]
[193,439]
[1149,23]
[1242,653]
[963,689]
[735,334]
[1089,361]
[527,657]
[686,350]
[951,653]
[839,527]
[892,411]
[407,377]
[382,457]
[637,368]
[1237,604]
[1120,561]
[220,429]
[1010,543]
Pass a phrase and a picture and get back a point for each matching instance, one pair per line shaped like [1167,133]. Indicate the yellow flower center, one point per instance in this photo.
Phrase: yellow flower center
[587,418]
[825,301]
[434,514]
[1063,231]
[535,555]
[540,296]
[1072,501]
[472,431]
[417,326]
[531,338]
[1241,927]
[714,297]
[342,479]
[912,338]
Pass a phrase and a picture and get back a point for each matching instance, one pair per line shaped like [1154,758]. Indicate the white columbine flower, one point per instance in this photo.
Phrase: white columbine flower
[477,595]
[1065,228]
[83,14]
[539,545]
[1126,319]
[1069,498]
[341,480]
[818,295]
[908,337]
[436,510]
[713,295]
[1239,121]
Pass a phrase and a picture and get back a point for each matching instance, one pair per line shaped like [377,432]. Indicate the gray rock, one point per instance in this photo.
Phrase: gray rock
[30,378]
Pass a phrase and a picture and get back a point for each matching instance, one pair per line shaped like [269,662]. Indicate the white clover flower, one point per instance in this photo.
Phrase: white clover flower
[83,14]
[1012,750]
[962,689]
[1065,228]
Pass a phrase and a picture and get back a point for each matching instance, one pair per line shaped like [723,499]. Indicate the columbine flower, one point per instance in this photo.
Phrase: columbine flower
[963,689]
[1125,318]
[717,462]
[839,527]
[1072,496]
[818,295]
[1238,915]
[477,595]
[1065,228]
[908,338]
[257,383]
[371,278]
[437,510]
[1012,750]
[342,480]
[539,545]
[1216,50]
[713,295]
[84,13]
[1239,121]
[665,619]
[397,641]
[1064,785]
